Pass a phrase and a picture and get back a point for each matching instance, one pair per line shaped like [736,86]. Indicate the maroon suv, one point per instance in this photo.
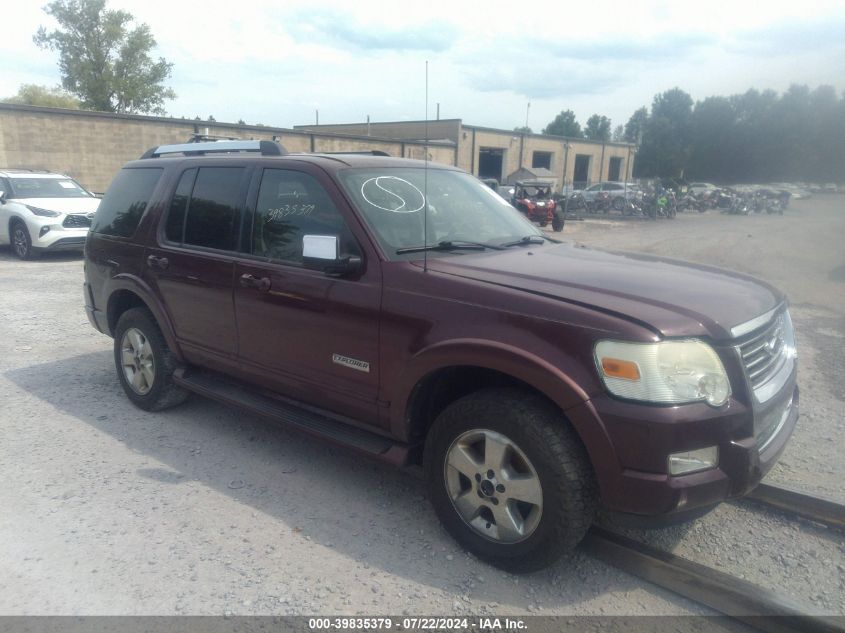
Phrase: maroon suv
[408,312]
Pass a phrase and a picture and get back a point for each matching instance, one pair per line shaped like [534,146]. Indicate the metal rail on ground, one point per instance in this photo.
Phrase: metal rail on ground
[816,509]
[759,607]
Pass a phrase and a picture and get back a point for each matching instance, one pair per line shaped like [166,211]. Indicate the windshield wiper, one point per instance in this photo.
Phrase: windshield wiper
[449,245]
[528,239]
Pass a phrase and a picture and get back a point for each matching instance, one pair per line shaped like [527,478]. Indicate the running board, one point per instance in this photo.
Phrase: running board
[231,393]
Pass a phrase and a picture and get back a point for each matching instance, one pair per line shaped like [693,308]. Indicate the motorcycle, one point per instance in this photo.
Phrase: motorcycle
[690,201]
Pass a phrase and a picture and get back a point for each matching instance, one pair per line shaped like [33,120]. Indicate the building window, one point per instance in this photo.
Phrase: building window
[542,159]
[615,168]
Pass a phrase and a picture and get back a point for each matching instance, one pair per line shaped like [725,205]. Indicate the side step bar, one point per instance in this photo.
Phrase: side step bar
[311,422]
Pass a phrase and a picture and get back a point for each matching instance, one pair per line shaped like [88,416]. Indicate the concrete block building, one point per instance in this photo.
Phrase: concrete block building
[92,146]
[493,153]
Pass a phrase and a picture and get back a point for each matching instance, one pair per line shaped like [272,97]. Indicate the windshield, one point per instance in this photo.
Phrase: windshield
[460,208]
[47,188]
[534,192]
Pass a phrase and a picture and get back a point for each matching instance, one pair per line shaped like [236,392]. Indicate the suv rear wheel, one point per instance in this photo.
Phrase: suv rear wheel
[509,478]
[144,363]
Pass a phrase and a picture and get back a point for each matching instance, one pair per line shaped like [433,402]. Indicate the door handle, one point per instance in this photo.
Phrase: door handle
[250,281]
[157,262]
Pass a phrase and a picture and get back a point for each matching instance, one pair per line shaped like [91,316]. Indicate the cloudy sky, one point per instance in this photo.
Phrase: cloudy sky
[277,62]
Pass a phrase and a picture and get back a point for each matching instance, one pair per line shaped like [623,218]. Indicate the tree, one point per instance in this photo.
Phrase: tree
[597,128]
[635,127]
[103,61]
[751,137]
[32,94]
[665,147]
[618,134]
[564,124]
[523,129]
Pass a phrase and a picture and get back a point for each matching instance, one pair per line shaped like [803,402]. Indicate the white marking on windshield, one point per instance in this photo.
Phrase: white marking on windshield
[400,204]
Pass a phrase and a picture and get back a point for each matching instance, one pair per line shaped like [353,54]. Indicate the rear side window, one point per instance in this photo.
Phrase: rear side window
[123,205]
[213,212]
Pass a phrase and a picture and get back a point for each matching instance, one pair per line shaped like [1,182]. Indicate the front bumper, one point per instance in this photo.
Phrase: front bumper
[57,238]
[643,437]
[63,244]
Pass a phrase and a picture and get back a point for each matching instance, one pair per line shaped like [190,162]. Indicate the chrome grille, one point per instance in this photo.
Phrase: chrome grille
[765,351]
[76,221]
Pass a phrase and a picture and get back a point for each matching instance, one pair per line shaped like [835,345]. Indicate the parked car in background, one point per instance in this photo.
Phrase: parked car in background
[619,192]
[506,191]
[698,188]
[42,211]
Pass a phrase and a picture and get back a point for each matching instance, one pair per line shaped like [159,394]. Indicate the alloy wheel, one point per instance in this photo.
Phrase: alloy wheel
[20,242]
[493,486]
[137,361]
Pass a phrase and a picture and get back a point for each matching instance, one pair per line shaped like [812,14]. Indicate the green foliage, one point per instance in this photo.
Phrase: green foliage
[32,94]
[665,146]
[597,128]
[564,124]
[103,60]
[635,127]
[618,134]
[751,137]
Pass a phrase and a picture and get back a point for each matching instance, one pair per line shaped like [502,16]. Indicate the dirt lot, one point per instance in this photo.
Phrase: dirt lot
[204,510]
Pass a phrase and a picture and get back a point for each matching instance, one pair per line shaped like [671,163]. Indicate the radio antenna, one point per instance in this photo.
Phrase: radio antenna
[425,177]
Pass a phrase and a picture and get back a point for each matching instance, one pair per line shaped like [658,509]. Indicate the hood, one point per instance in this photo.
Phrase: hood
[63,205]
[671,297]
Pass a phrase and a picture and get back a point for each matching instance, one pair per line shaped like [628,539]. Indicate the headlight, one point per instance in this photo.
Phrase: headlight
[46,213]
[669,372]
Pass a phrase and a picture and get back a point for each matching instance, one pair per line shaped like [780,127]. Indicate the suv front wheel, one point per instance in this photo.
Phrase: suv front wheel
[144,363]
[509,478]
[21,242]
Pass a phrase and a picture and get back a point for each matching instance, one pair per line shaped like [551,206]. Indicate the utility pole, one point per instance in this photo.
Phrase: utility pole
[565,162]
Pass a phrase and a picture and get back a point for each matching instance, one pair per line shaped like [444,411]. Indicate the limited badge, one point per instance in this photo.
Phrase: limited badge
[352,363]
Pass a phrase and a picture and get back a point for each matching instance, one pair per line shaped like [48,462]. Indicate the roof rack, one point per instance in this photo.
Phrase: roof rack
[196,137]
[369,152]
[266,148]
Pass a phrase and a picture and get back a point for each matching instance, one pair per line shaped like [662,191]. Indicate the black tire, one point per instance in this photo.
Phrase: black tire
[558,221]
[618,203]
[542,434]
[21,241]
[162,393]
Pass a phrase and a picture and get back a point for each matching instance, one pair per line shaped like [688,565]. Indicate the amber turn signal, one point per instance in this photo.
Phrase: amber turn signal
[615,368]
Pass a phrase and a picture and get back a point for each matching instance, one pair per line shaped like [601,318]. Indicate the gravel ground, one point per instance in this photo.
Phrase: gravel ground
[204,510]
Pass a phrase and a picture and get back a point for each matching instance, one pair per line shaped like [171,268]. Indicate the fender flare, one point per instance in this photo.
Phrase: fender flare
[550,380]
[137,286]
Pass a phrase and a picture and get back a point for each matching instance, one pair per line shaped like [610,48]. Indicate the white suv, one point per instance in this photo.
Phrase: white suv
[41,211]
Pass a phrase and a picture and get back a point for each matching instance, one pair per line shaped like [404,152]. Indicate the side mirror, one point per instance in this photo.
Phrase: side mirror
[321,252]
[2,196]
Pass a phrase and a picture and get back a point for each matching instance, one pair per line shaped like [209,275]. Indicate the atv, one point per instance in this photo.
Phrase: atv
[534,199]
